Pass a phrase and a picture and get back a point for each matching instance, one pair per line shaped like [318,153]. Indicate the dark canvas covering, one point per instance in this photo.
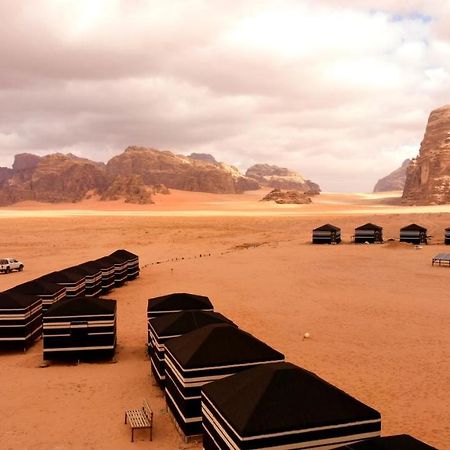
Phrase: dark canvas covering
[93,277]
[131,260]
[178,301]
[80,327]
[168,326]
[368,232]
[74,282]
[120,270]
[398,442]
[47,291]
[281,404]
[204,355]
[20,319]
[413,227]
[106,265]
[326,234]
[413,234]
[369,226]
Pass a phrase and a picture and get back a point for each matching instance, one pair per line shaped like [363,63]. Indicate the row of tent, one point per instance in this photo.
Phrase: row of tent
[372,234]
[240,394]
[52,304]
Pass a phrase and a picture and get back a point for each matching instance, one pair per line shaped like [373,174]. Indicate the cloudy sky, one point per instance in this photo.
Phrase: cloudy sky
[338,89]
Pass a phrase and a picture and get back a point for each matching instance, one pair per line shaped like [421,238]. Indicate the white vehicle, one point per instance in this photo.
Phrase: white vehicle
[9,264]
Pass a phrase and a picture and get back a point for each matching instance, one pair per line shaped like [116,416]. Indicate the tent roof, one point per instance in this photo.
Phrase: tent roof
[398,442]
[104,262]
[85,268]
[327,227]
[185,321]
[82,306]
[63,276]
[369,226]
[17,300]
[123,254]
[413,227]
[178,301]
[37,287]
[282,397]
[218,345]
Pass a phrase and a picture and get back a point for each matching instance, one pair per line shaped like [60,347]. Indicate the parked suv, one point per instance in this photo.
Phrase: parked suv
[9,264]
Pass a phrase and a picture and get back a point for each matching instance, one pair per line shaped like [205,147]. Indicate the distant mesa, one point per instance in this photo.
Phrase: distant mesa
[281,178]
[428,175]
[287,197]
[395,181]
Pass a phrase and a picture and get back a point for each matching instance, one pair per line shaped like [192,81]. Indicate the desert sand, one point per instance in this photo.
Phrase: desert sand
[378,316]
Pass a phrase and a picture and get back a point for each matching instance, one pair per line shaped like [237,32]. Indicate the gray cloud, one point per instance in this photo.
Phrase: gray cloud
[340,93]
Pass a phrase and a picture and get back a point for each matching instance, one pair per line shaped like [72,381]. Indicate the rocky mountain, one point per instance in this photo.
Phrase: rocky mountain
[428,175]
[281,178]
[52,178]
[134,176]
[395,181]
[287,197]
[179,172]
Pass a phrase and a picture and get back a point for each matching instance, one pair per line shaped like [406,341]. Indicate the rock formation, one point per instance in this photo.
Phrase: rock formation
[133,176]
[287,197]
[179,172]
[395,181]
[52,178]
[428,175]
[281,178]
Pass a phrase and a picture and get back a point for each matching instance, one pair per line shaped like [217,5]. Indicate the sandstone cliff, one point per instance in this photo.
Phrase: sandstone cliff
[286,197]
[179,172]
[281,178]
[395,181]
[428,175]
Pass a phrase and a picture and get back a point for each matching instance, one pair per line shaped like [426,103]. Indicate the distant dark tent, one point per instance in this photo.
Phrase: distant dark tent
[169,326]
[326,234]
[132,261]
[398,442]
[120,270]
[282,406]
[79,327]
[47,291]
[74,282]
[368,233]
[204,355]
[20,319]
[447,236]
[106,265]
[413,234]
[93,277]
[176,302]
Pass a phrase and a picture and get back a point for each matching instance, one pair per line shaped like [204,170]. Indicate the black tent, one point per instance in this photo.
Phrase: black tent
[370,233]
[74,282]
[282,406]
[47,291]
[132,261]
[326,234]
[169,326]
[79,327]
[93,277]
[179,301]
[398,442]
[106,265]
[20,319]
[414,234]
[204,355]
[447,236]
[120,270]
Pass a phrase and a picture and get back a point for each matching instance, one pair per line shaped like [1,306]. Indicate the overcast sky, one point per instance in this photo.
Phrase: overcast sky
[339,90]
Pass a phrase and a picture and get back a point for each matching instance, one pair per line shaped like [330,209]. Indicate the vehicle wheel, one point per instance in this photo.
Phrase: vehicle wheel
[20,268]
[8,270]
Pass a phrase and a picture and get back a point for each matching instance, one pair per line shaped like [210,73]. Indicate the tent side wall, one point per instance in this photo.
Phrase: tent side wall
[326,237]
[413,237]
[73,336]
[19,328]
[447,237]
[371,236]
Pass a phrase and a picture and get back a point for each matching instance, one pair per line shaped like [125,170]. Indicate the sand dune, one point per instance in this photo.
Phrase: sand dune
[378,315]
